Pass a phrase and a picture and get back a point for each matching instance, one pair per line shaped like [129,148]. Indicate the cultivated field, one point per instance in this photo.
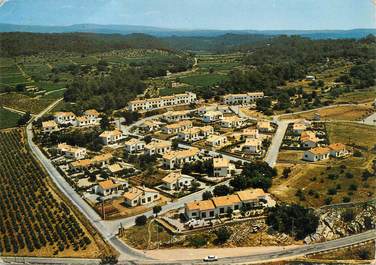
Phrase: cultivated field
[35,220]
[8,119]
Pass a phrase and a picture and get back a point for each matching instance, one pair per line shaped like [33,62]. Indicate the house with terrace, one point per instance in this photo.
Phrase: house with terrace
[65,118]
[176,159]
[177,127]
[265,126]
[49,126]
[212,116]
[217,206]
[338,150]
[73,152]
[316,154]
[216,140]
[231,122]
[140,195]
[157,147]
[308,139]
[177,181]
[111,137]
[174,116]
[134,145]
[252,146]
[107,187]
[222,167]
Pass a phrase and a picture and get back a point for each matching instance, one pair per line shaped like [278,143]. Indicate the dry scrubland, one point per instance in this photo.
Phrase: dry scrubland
[343,175]
[36,220]
[350,112]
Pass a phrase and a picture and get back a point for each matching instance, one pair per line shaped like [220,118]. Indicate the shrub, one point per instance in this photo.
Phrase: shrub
[348,216]
[198,240]
[346,199]
[353,187]
[207,195]
[332,191]
[293,219]
[357,153]
[141,220]
[223,234]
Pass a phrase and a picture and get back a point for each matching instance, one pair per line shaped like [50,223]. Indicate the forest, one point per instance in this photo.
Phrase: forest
[22,43]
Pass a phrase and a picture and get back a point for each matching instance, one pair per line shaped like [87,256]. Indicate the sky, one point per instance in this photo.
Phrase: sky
[195,14]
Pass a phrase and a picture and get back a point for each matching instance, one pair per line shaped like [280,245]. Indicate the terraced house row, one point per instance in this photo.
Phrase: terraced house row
[162,102]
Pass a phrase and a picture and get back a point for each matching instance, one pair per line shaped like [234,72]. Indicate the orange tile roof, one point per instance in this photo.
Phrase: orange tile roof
[225,200]
[92,112]
[319,150]
[172,177]
[200,205]
[108,184]
[251,194]
[337,146]
[50,123]
[220,162]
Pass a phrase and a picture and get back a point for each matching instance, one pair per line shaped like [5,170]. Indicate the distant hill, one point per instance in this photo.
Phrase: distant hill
[216,43]
[24,43]
[164,32]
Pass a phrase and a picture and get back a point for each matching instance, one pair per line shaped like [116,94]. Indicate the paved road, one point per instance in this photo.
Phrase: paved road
[272,155]
[108,228]
[109,235]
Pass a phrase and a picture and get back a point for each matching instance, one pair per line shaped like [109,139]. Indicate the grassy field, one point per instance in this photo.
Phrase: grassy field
[333,180]
[8,119]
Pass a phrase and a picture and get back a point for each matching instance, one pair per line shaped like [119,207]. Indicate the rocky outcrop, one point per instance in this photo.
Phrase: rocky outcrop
[338,222]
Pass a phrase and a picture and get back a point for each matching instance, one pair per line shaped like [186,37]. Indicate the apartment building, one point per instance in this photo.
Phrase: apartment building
[222,167]
[49,126]
[242,99]
[173,116]
[134,145]
[162,102]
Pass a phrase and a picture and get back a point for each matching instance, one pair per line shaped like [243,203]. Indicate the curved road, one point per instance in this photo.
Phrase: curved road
[108,229]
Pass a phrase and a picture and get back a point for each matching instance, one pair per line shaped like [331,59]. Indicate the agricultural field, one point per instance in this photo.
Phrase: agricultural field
[8,119]
[333,180]
[26,103]
[35,219]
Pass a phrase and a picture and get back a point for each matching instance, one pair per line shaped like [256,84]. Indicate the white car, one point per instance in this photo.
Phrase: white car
[210,258]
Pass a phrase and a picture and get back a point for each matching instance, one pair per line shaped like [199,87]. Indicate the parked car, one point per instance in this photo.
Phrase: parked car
[210,258]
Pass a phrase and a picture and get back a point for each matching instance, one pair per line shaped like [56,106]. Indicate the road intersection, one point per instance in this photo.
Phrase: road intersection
[109,229]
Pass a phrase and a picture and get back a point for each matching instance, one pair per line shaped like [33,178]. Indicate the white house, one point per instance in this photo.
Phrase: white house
[65,118]
[49,126]
[107,187]
[150,125]
[298,128]
[134,145]
[242,99]
[162,102]
[111,137]
[173,116]
[177,127]
[252,146]
[92,115]
[308,139]
[176,181]
[140,196]
[216,140]
[159,147]
[338,150]
[69,151]
[217,206]
[317,154]
[249,133]
[212,116]
[176,159]
[222,167]
[189,135]
[231,122]
[264,126]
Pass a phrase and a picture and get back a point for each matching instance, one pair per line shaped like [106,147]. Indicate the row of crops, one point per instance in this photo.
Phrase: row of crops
[32,217]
